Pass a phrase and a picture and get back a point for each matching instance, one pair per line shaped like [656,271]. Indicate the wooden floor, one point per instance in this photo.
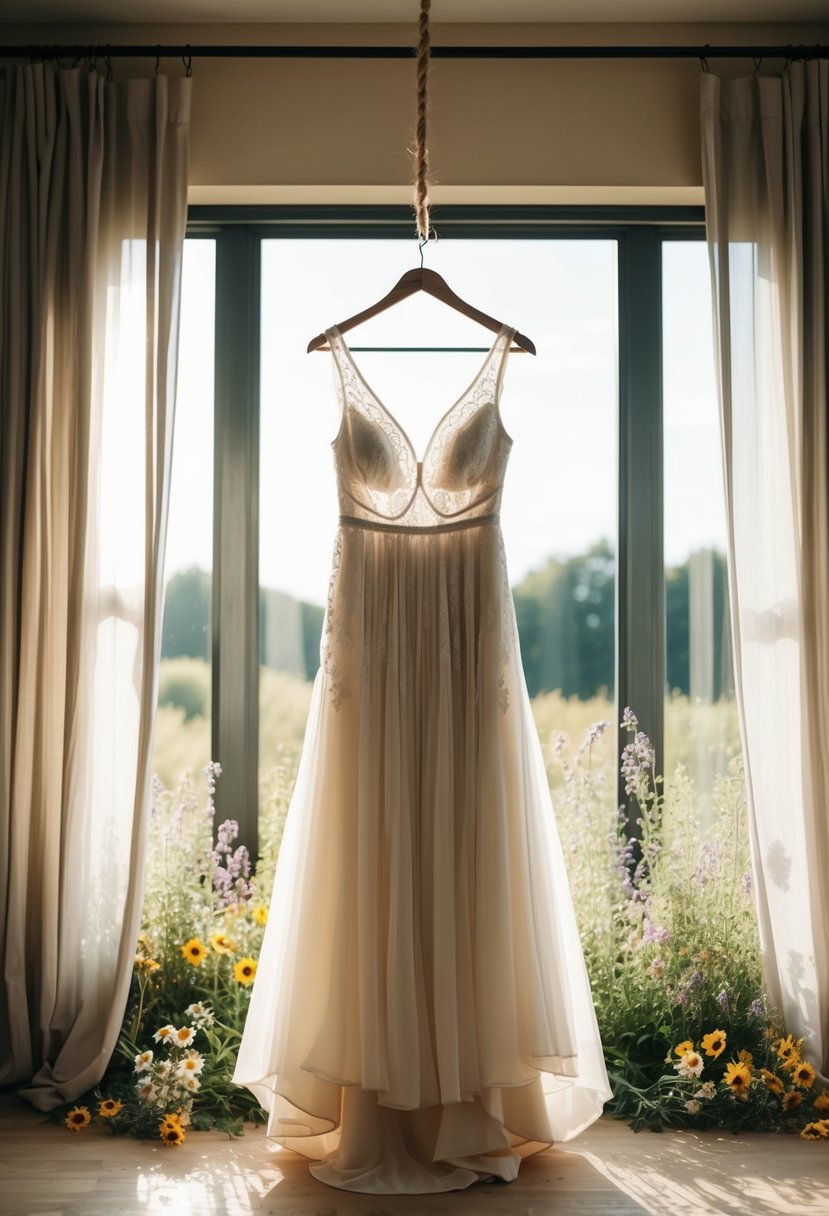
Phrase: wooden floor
[45,1169]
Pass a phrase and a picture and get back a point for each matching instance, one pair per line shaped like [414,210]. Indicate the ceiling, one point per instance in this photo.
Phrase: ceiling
[336,12]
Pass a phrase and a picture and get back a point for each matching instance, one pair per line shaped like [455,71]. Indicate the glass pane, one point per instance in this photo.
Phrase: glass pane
[559,510]
[701,727]
[182,729]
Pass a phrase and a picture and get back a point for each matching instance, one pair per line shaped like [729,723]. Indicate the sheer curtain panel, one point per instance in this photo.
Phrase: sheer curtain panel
[765,149]
[93,180]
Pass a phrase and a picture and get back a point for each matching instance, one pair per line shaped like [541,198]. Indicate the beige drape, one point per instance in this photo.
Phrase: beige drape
[765,145]
[92,214]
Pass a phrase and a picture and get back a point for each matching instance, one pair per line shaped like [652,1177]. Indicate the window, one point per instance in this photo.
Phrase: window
[182,728]
[595,513]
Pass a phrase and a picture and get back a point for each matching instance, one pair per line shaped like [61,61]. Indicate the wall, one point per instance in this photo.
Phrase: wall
[583,131]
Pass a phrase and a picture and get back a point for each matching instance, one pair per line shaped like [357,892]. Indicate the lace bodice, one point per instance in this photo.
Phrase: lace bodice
[460,478]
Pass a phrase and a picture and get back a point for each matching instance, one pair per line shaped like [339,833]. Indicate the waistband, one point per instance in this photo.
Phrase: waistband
[353,521]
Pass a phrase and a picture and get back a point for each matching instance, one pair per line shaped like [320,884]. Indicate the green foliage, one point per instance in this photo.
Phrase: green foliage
[185,682]
[185,629]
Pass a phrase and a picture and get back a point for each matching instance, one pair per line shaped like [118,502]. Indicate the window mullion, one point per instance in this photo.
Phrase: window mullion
[640,595]
[235,620]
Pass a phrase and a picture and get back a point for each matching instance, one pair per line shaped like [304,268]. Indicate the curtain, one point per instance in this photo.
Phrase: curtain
[765,154]
[93,179]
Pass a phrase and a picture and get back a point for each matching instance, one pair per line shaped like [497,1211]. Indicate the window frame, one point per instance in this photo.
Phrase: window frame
[640,658]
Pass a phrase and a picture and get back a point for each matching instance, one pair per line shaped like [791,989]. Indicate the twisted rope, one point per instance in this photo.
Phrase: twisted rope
[421,155]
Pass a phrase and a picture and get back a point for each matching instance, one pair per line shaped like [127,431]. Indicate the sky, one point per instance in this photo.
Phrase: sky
[559,406]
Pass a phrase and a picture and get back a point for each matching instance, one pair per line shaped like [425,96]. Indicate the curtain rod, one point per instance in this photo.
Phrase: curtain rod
[408,52]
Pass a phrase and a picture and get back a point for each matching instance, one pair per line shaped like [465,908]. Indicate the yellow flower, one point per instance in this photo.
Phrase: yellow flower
[804,1075]
[786,1048]
[171,1120]
[821,1101]
[222,944]
[193,952]
[745,1057]
[260,914]
[815,1131]
[244,972]
[79,1117]
[773,1082]
[683,1047]
[109,1108]
[791,1063]
[172,1134]
[737,1078]
[713,1044]
[146,964]
[791,1099]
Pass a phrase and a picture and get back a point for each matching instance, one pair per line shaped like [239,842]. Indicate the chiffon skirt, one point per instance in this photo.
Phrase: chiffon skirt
[421,1016]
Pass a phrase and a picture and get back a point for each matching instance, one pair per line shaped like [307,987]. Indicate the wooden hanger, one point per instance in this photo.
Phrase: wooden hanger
[422,279]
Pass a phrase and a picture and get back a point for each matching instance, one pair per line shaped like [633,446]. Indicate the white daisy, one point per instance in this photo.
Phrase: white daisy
[693,1107]
[164,1034]
[146,1090]
[689,1064]
[143,1061]
[193,1084]
[184,1036]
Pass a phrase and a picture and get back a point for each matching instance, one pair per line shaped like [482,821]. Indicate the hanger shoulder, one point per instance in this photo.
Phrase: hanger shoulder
[421,278]
[405,286]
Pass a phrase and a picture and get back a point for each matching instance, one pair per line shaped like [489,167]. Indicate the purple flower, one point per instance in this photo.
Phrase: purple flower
[594,734]
[682,998]
[655,933]
[747,882]
[756,1009]
[629,719]
[696,978]
[722,1000]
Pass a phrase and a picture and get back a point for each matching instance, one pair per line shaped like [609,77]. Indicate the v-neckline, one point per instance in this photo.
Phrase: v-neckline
[446,414]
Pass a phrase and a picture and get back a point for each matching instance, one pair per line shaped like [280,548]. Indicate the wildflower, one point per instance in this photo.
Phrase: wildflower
[737,1078]
[703,956]
[162,1070]
[192,1084]
[222,944]
[713,1044]
[654,933]
[746,882]
[786,1048]
[109,1108]
[692,1106]
[164,1034]
[657,969]
[745,1057]
[687,1045]
[184,1036]
[682,998]
[815,1131]
[821,1101]
[791,1099]
[244,972]
[773,1083]
[629,719]
[722,1000]
[594,734]
[756,1008]
[146,964]
[170,1120]
[804,1075]
[194,952]
[143,1061]
[192,1064]
[172,1135]
[689,1064]
[707,1090]
[200,1014]
[260,914]
[559,743]
[146,1089]
[78,1118]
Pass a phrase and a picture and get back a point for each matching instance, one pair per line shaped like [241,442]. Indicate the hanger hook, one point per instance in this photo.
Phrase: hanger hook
[420,245]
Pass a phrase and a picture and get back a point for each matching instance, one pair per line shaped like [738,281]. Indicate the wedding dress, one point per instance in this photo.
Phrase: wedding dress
[422,1016]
